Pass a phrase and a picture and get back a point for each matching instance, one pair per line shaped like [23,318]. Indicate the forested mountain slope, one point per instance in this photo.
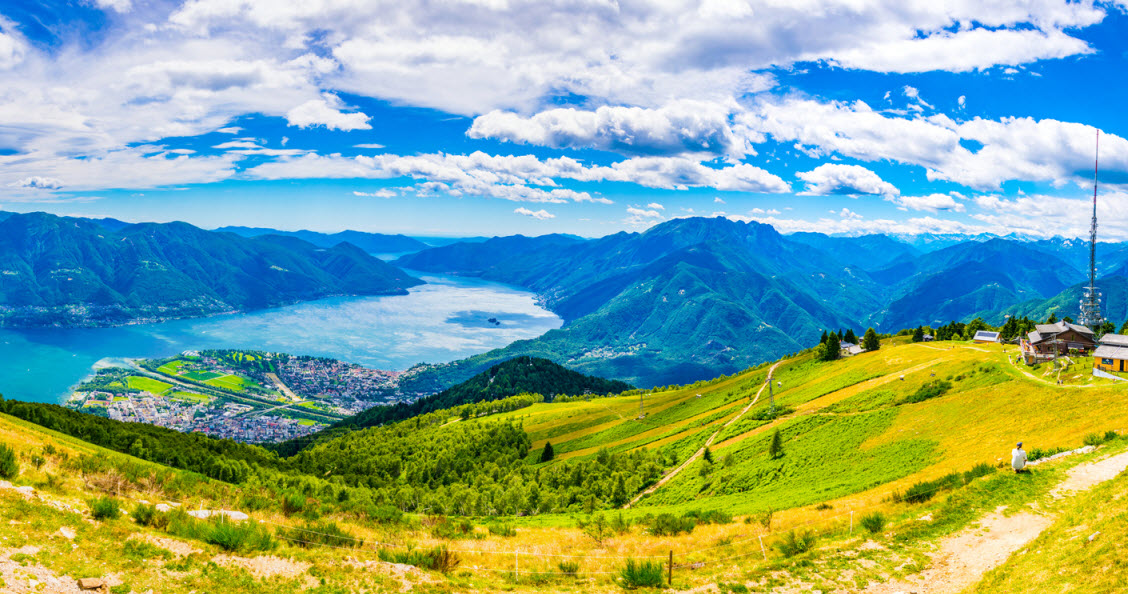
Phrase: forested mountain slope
[373,243]
[63,271]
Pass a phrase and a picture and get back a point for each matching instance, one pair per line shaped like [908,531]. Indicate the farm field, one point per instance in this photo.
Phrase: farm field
[148,384]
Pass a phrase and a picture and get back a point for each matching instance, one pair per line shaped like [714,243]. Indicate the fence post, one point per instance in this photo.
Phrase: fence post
[516,564]
[670,569]
[851,521]
[762,549]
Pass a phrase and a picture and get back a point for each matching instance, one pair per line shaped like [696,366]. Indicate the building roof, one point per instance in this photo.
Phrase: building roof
[1111,352]
[1047,331]
[987,335]
[1115,340]
[846,345]
[856,349]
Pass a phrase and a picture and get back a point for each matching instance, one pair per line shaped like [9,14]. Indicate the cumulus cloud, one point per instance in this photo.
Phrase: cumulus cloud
[849,180]
[684,126]
[930,203]
[718,200]
[655,206]
[121,6]
[12,45]
[540,215]
[326,112]
[38,183]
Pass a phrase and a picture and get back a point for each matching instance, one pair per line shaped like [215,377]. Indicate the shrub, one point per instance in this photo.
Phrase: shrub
[641,574]
[439,559]
[981,469]
[775,449]
[620,524]
[712,516]
[569,568]
[671,525]
[928,391]
[1110,435]
[237,536]
[293,503]
[144,514]
[1094,439]
[766,414]
[385,514]
[140,550]
[764,518]
[453,529]
[105,508]
[824,506]
[503,530]
[1039,453]
[873,522]
[9,467]
[796,543]
[323,533]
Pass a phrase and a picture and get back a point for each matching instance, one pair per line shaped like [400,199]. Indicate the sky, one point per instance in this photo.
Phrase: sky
[590,117]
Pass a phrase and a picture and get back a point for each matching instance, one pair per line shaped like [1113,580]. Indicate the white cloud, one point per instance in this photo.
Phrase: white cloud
[718,200]
[849,180]
[369,145]
[540,215]
[38,183]
[962,101]
[230,130]
[930,203]
[1011,148]
[381,193]
[12,45]
[655,206]
[762,212]
[120,6]
[326,112]
[678,173]
[684,126]
[132,168]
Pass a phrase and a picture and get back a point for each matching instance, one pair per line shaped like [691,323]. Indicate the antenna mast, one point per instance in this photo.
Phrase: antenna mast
[1091,304]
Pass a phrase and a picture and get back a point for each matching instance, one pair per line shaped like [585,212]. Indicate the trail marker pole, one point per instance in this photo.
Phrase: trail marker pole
[762,549]
[670,570]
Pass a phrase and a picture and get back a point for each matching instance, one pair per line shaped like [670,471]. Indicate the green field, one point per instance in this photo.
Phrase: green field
[190,397]
[148,384]
[200,376]
[172,367]
[229,382]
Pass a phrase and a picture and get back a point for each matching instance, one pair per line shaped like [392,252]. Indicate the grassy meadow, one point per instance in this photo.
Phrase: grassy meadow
[855,436]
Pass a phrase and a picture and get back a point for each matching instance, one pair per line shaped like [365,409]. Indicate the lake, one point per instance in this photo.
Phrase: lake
[446,319]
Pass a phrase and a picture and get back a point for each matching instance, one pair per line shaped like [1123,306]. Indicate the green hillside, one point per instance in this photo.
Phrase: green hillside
[62,271]
[910,431]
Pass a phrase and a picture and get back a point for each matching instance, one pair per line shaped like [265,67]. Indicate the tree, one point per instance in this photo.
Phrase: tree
[9,467]
[870,342]
[1052,319]
[918,334]
[1124,328]
[1107,327]
[833,346]
[974,326]
[547,454]
[823,339]
[708,455]
[850,336]
[1067,319]
[775,450]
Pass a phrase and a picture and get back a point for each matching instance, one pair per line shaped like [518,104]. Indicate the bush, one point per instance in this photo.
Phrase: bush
[293,503]
[439,559]
[144,514]
[1039,453]
[140,550]
[824,506]
[9,467]
[323,533]
[713,516]
[764,518]
[928,391]
[105,508]
[981,469]
[504,530]
[569,568]
[449,529]
[385,514]
[238,536]
[641,574]
[1094,439]
[873,522]
[671,525]
[796,543]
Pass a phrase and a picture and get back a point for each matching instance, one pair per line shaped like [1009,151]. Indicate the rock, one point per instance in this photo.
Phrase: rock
[90,583]
[1093,536]
[66,532]
[204,514]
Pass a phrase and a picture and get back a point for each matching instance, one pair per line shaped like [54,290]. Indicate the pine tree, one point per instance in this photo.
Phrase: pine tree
[1052,319]
[9,467]
[870,342]
[547,455]
[823,339]
[775,450]
[918,334]
[851,337]
[833,346]
[708,456]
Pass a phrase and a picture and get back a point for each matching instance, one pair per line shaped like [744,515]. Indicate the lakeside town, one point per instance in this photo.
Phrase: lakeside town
[247,396]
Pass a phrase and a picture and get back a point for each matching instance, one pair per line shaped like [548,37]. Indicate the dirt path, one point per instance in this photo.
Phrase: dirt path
[962,559]
[709,442]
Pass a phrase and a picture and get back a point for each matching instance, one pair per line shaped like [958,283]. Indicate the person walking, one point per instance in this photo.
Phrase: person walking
[1018,458]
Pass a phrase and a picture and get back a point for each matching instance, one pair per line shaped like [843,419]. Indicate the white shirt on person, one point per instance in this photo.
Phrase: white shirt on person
[1018,459]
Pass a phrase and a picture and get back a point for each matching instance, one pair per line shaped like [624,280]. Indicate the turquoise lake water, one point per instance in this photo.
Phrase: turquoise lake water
[443,320]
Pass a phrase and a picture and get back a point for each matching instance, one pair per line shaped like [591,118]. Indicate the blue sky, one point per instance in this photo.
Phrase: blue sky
[491,117]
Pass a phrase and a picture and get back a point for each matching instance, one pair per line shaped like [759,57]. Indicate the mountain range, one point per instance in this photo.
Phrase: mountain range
[373,243]
[693,298]
[61,271]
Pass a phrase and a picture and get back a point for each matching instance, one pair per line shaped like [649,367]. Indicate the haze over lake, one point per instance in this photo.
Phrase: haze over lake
[443,320]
